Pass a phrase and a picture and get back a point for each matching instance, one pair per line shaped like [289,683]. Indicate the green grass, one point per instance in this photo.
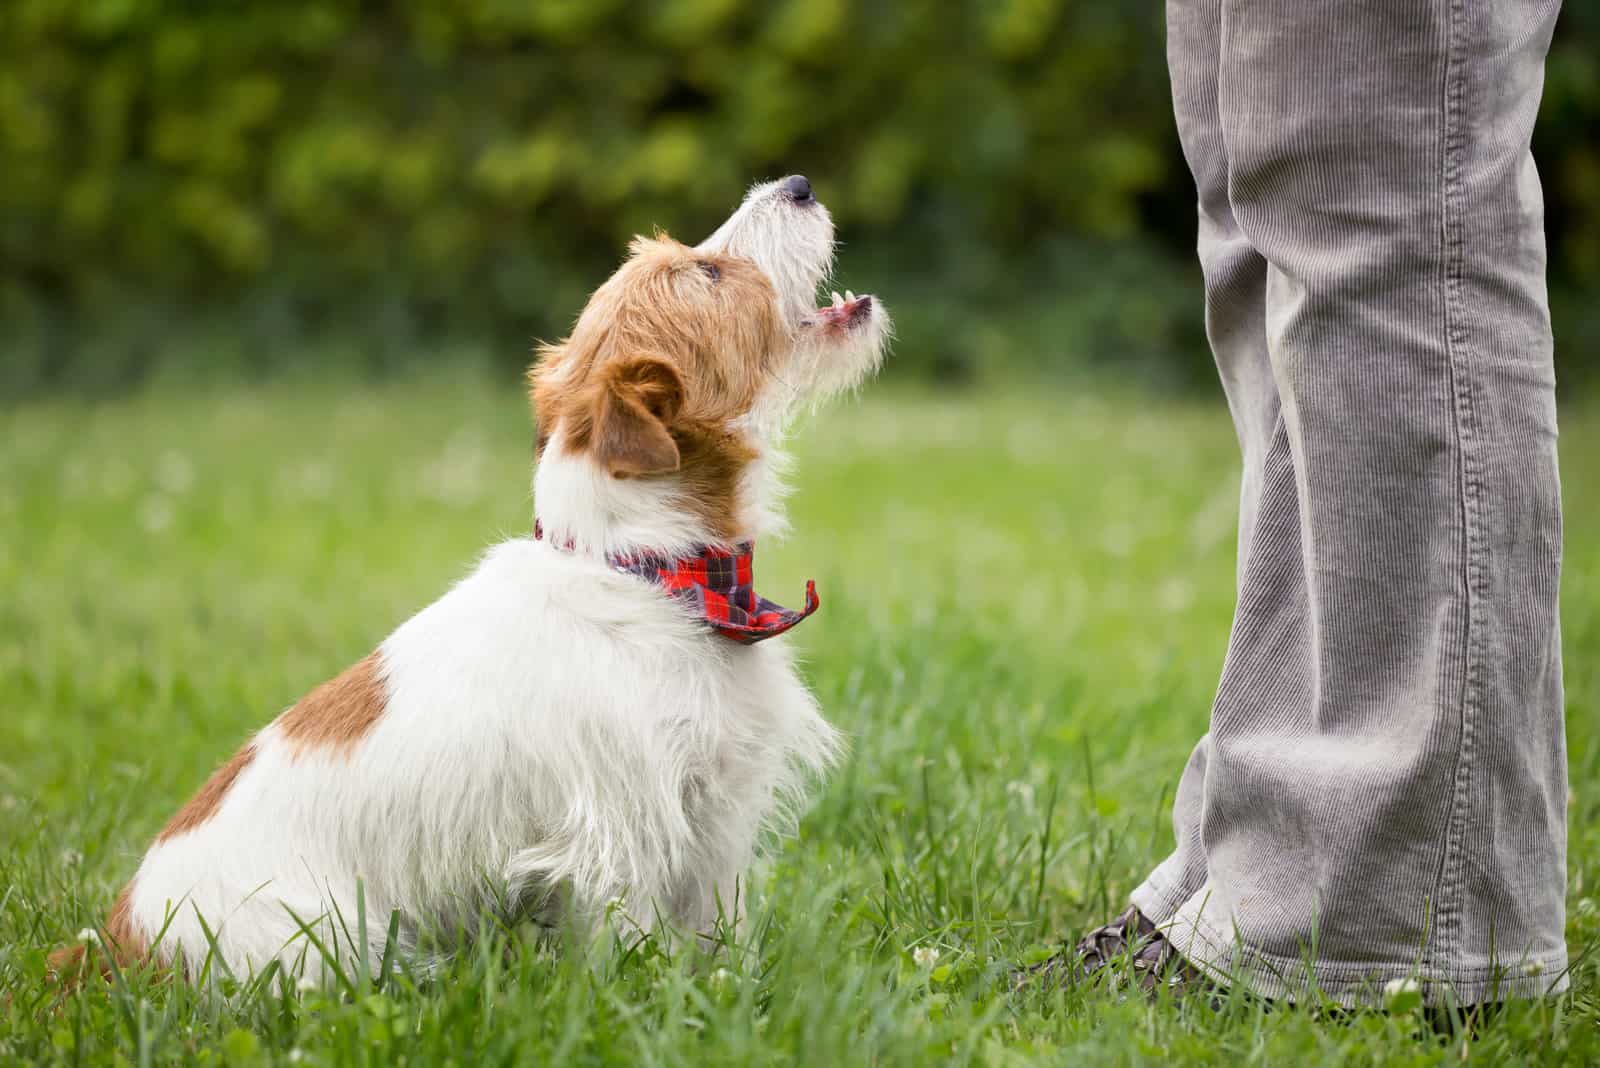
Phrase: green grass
[1025,603]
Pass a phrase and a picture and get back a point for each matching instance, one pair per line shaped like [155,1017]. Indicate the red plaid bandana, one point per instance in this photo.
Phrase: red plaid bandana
[718,585]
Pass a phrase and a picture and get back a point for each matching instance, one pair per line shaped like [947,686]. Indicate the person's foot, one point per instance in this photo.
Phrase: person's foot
[1131,940]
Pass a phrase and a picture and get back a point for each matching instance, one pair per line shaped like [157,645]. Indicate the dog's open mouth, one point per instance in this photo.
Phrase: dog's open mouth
[846,311]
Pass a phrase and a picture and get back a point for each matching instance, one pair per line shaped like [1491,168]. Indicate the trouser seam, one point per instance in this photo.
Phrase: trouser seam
[1449,888]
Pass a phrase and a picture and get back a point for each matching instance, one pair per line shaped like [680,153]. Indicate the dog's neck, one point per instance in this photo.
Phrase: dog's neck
[583,507]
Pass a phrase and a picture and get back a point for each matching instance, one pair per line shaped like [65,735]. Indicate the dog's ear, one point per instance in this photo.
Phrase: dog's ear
[639,398]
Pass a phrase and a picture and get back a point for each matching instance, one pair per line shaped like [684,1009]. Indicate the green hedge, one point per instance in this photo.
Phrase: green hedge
[281,169]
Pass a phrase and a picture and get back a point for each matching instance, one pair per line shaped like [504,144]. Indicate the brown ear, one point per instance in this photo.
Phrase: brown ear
[639,398]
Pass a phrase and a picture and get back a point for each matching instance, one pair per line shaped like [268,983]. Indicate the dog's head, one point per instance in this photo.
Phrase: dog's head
[682,371]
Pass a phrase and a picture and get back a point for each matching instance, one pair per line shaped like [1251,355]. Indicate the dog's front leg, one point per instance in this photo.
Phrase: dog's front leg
[713,910]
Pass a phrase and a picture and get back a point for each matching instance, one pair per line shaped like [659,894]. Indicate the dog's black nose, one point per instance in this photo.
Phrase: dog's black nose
[798,188]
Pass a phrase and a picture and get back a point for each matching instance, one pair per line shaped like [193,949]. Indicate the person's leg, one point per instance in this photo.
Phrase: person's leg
[1383,788]
[1235,281]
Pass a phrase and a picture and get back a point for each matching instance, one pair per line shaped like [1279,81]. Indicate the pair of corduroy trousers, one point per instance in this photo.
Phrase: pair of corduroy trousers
[1382,793]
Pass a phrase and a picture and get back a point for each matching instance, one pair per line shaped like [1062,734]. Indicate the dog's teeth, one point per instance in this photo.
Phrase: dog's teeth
[850,296]
[837,299]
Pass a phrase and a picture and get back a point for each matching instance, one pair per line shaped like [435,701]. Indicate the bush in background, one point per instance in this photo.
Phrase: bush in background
[247,177]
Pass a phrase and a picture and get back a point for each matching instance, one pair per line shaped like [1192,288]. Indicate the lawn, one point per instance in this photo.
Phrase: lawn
[1025,602]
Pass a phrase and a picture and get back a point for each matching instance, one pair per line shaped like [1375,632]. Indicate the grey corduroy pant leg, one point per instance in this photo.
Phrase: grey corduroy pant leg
[1382,793]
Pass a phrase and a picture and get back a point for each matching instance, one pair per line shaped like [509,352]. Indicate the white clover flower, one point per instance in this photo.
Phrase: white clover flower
[89,935]
[296,1055]
[306,984]
[1533,967]
[1024,790]
[1396,987]
[925,956]
[71,858]
[155,514]
[175,472]
[314,480]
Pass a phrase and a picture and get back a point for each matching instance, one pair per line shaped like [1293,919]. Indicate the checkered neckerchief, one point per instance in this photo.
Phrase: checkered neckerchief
[717,583]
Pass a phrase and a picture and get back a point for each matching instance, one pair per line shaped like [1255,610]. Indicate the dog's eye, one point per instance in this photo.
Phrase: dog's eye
[712,271]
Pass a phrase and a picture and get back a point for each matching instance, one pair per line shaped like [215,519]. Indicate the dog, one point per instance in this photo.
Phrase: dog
[592,724]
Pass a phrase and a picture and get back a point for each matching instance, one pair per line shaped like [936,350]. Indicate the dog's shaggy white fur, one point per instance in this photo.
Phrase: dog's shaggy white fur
[552,736]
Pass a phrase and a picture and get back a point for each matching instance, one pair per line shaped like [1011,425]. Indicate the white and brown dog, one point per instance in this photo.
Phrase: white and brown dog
[589,721]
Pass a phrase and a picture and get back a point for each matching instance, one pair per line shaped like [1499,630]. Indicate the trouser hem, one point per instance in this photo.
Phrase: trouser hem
[1226,960]
[1159,898]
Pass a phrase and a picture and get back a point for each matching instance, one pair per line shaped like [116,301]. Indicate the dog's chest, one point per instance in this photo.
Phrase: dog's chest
[727,721]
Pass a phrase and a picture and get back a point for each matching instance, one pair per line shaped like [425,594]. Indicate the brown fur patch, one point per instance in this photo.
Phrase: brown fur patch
[203,805]
[121,944]
[129,943]
[670,350]
[340,712]
[640,401]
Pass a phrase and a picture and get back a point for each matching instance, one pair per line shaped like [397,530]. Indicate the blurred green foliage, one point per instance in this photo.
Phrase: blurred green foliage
[409,170]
